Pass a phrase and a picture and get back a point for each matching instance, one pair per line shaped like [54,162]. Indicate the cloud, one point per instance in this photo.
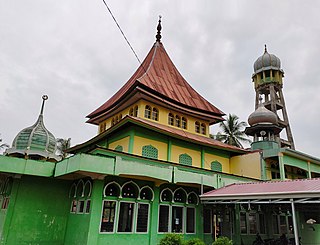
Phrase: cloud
[74,52]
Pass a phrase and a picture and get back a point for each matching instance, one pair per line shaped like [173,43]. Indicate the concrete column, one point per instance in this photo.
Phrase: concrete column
[294,220]
[95,212]
[281,167]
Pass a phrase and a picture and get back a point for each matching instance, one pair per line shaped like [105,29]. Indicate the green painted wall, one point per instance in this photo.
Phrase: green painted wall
[37,213]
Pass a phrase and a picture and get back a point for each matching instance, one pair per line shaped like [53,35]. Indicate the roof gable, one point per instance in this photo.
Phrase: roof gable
[158,74]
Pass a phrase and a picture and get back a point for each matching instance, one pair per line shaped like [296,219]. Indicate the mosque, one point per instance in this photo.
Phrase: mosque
[153,169]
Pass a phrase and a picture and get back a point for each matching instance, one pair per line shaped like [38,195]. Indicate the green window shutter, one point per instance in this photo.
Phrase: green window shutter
[150,152]
[216,166]
[185,159]
[118,148]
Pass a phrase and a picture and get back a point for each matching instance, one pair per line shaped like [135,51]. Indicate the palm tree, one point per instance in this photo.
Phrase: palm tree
[232,132]
[62,146]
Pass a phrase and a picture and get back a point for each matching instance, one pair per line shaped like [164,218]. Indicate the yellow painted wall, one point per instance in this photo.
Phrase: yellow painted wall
[246,165]
[139,142]
[195,155]
[123,142]
[163,117]
[225,162]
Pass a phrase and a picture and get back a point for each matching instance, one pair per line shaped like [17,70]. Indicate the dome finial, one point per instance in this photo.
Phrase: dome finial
[265,48]
[44,98]
[158,36]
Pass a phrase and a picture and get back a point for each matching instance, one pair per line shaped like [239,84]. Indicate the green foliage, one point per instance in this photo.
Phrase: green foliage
[222,241]
[232,132]
[171,239]
[194,241]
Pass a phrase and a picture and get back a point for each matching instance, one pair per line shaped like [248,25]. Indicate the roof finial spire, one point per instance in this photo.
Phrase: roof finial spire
[265,48]
[44,98]
[158,36]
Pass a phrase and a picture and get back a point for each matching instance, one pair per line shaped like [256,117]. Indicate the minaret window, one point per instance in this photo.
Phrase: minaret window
[170,119]
[203,128]
[147,112]
[177,123]
[197,127]
[155,114]
[183,123]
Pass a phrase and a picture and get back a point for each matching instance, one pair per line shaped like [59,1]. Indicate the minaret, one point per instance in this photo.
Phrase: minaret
[267,78]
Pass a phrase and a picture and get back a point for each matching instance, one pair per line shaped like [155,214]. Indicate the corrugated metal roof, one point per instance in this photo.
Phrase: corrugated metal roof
[189,136]
[174,132]
[266,188]
[159,74]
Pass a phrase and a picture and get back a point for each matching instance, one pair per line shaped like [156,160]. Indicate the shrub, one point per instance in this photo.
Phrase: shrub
[194,241]
[222,241]
[171,239]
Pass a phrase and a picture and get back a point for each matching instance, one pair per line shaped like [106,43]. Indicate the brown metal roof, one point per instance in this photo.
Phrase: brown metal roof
[158,74]
[174,132]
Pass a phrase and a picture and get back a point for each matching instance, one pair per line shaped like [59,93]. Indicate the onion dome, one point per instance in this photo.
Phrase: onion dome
[267,62]
[262,116]
[35,142]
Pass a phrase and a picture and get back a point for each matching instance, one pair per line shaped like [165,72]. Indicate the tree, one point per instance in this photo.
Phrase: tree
[232,132]
[62,146]
[3,145]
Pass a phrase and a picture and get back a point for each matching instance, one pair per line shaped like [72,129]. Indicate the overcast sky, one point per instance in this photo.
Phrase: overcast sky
[73,52]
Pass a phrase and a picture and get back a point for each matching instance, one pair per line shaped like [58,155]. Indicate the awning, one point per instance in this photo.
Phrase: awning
[301,191]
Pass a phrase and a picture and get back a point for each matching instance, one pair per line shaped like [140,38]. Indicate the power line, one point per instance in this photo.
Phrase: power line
[114,19]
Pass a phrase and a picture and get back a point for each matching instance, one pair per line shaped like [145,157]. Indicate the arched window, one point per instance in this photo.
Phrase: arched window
[193,198]
[180,195]
[80,187]
[120,117]
[135,111]
[146,193]
[112,122]
[112,189]
[87,189]
[129,190]
[131,112]
[155,114]
[170,119]
[197,127]
[177,121]
[216,166]
[72,191]
[147,112]
[203,128]
[183,123]
[185,159]
[119,148]
[150,152]
[166,195]
[117,119]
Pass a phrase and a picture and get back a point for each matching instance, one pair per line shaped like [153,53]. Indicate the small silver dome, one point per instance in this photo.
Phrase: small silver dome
[262,116]
[267,62]
[35,140]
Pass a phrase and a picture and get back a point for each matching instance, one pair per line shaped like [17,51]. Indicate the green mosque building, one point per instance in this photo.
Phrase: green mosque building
[153,169]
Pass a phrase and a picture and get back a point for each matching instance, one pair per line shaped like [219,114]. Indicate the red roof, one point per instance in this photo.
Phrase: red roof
[264,189]
[158,74]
